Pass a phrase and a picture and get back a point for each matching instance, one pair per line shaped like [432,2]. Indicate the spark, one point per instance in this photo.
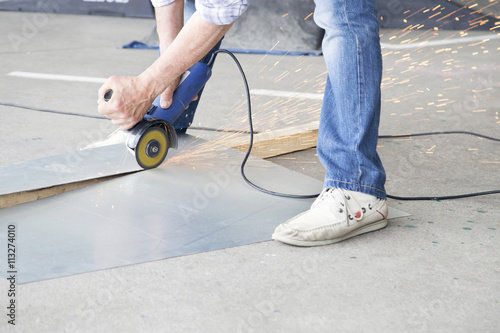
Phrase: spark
[418,11]
[274,46]
[478,91]
[481,42]
[434,15]
[265,55]
[446,16]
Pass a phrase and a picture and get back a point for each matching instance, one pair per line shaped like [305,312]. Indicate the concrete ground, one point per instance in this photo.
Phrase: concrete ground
[437,270]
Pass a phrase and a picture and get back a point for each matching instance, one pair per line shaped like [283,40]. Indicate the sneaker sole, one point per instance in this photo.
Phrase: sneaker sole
[363,230]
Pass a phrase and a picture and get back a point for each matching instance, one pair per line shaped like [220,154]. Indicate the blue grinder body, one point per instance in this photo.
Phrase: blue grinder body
[190,84]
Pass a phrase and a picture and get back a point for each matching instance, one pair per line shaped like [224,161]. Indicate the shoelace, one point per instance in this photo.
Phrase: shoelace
[343,202]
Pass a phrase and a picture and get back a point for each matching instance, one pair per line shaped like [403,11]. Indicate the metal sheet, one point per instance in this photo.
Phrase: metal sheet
[67,168]
[196,202]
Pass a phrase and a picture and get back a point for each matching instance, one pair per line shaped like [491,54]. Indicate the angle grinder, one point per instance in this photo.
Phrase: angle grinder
[152,137]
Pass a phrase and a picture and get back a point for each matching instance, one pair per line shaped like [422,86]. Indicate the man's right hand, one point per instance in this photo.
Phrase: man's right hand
[166,96]
[130,101]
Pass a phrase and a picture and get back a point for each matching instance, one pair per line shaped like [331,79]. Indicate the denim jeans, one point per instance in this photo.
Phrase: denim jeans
[186,117]
[350,114]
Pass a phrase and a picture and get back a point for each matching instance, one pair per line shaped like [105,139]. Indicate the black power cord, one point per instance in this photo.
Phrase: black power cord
[250,124]
[437,133]
[52,111]
[251,132]
[31,108]
[311,196]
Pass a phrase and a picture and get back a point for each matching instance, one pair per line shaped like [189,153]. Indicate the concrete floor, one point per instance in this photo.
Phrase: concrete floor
[437,270]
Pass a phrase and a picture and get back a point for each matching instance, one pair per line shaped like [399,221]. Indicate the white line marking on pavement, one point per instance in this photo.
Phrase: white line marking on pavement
[59,77]
[288,94]
[439,42]
[72,78]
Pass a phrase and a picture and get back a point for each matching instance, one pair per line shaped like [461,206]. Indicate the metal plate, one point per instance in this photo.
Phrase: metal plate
[67,168]
[196,202]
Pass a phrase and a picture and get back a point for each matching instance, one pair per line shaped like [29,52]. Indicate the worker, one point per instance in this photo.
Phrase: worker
[353,200]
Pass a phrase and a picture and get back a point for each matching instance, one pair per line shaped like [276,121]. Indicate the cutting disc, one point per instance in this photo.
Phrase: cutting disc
[152,148]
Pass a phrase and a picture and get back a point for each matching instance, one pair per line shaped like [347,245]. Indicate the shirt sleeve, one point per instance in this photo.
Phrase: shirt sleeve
[161,3]
[220,12]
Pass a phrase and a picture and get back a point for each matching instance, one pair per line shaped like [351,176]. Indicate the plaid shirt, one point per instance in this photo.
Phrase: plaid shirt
[214,11]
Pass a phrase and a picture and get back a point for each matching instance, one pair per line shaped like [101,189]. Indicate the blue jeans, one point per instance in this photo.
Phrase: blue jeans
[350,114]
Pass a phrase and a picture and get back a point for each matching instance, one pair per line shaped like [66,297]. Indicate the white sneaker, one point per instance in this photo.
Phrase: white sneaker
[336,215]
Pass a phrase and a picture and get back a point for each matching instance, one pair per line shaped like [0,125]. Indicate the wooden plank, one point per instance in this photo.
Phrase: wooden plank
[281,141]
[13,199]
[266,144]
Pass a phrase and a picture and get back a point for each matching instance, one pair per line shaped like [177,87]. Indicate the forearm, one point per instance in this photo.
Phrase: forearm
[193,42]
[169,22]
[179,50]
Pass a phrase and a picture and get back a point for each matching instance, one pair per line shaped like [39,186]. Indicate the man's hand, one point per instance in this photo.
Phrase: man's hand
[129,103]
[166,96]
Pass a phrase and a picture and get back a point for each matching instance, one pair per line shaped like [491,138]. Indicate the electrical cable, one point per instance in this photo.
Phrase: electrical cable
[211,129]
[250,124]
[437,133]
[52,111]
[311,196]
[446,197]
[200,128]
[252,132]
